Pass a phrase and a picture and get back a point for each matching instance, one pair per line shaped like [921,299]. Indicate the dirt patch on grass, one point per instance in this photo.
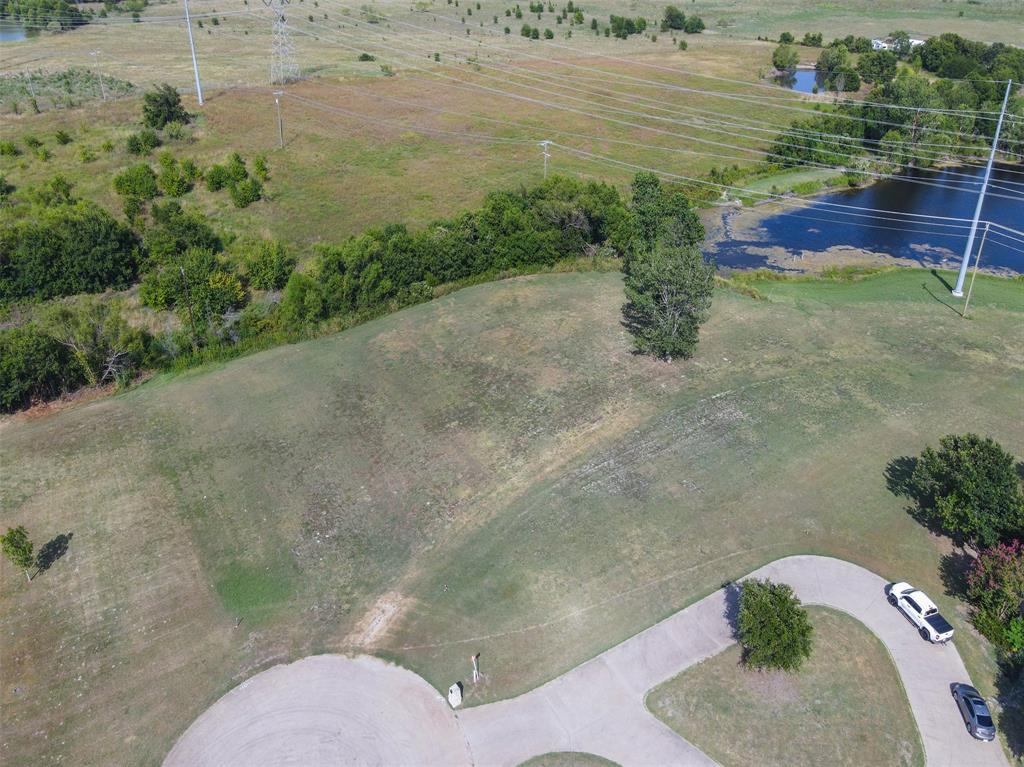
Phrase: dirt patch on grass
[373,626]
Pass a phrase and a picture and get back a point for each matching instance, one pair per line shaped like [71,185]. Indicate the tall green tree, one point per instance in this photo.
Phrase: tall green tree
[785,58]
[673,18]
[18,548]
[161,106]
[774,628]
[970,488]
[648,207]
[668,297]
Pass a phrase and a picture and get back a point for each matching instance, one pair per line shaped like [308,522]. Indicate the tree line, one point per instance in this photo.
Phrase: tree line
[883,129]
[208,280]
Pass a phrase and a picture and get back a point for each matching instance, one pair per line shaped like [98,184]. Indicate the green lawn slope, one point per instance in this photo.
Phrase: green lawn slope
[491,472]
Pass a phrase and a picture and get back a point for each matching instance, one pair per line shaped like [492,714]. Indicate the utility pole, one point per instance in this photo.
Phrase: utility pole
[95,58]
[280,123]
[974,274]
[195,64]
[283,68]
[544,145]
[958,291]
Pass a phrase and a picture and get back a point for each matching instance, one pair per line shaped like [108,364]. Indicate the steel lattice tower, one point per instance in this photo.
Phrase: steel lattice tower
[283,67]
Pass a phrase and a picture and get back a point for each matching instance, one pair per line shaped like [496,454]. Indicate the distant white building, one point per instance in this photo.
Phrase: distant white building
[887,43]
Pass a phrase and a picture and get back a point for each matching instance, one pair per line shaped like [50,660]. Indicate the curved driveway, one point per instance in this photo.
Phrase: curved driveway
[331,710]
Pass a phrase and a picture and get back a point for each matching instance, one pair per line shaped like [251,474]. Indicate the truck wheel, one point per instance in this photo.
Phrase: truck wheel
[924,635]
[892,600]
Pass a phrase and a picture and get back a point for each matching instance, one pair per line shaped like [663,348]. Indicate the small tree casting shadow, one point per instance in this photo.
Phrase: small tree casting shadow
[52,550]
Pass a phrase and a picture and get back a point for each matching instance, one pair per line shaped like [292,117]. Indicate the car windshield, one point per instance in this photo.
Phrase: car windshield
[984,720]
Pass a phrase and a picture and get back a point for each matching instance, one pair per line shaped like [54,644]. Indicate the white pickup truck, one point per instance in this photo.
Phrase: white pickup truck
[921,611]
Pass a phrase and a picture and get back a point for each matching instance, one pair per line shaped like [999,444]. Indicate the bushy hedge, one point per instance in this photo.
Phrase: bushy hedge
[33,366]
[63,250]
[561,218]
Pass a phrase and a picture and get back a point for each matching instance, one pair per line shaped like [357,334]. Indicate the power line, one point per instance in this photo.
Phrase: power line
[666,69]
[617,121]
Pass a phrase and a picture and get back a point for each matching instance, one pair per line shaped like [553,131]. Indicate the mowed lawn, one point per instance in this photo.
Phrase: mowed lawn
[846,706]
[492,472]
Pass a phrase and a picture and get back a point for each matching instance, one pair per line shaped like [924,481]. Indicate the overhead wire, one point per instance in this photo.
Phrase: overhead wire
[401,53]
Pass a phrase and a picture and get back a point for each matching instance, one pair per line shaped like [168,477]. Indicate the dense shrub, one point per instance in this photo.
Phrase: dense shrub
[9,149]
[175,230]
[65,250]
[196,284]
[259,168]
[673,18]
[33,366]
[173,180]
[45,14]
[877,66]
[143,142]
[694,25]
[268,265]
[161,106]
[102,344]
[244,193]
[774,629]
[137,181]
[53,193]
[217,177]
[559,219]
[623,26]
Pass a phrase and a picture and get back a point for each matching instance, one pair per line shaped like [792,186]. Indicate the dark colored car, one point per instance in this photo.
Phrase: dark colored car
[975,711]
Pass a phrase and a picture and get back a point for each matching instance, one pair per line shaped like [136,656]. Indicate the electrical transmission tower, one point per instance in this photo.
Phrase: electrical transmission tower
[283,68]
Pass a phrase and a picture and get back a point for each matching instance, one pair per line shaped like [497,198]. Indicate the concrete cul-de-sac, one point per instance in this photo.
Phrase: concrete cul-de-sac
[331,709]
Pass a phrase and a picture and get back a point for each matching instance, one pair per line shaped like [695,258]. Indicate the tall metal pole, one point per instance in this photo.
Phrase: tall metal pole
[195,64]
[103,90]
[977,261]
[958,291]
[280,123]
[544,146]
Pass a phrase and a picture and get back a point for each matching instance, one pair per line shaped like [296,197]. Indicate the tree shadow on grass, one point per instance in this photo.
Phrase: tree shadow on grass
[899,478]
[732,591]
[953,569]
[1010,694]
[52,550]
[899,474]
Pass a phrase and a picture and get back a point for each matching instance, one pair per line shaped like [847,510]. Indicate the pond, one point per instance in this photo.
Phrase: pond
[802,80]
[944,195]
[11,31]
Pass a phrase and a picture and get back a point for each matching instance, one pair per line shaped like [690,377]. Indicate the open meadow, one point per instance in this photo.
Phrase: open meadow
[449,106]
[491,472]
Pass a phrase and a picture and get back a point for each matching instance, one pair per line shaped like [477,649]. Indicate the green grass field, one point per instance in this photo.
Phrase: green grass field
[493,472]
[363,148]
[846,706]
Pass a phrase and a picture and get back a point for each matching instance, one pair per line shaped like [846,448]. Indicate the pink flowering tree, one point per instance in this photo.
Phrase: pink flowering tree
[995,586]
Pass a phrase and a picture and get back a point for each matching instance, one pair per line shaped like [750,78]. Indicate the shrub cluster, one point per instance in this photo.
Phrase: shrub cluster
[63,250]
[559,219]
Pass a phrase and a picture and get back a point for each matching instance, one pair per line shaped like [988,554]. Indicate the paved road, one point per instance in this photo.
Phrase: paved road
[334,710]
